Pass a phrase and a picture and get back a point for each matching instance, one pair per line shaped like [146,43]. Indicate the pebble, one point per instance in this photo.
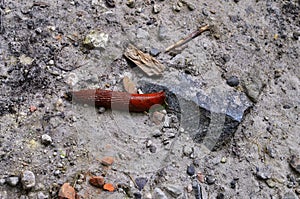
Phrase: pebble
[12,181]
[220,196]
[46,139]
[101,110]
[263,173]
[296,35]
[191,6]
[159,194]
[152,149]
[141,182]
[295,163]
[2,181]
[271,183]
[187,150]
[130,3]
[190,170]
[154,52]
[96,39]
[41,195]
[97,181]
[223,160]
[28,179]
[233,184]
[67,191]
[156,8]
[157,117]
[107,161]
[174,191]
[210,180]
[137,195]
[233,81]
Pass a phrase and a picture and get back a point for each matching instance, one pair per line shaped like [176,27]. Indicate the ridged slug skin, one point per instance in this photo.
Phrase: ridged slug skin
[117,100]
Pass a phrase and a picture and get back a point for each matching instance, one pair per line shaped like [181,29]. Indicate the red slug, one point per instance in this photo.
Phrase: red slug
[117,100]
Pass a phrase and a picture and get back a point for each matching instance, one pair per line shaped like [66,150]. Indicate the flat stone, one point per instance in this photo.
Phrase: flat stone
[142,34]
[174,190]
[159,194]
[97,181]
[107,161]
[190,170]
[28,180]
[154,52]
[210,116]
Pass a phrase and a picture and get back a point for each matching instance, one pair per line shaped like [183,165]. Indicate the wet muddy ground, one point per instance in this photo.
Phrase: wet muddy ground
[252,48]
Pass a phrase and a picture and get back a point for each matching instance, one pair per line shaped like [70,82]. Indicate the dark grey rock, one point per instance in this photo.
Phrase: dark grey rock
[28,179]
[210,180]
[12,181]
[141,182]
[137,195]
[152,149]
[233,81]
[190,170]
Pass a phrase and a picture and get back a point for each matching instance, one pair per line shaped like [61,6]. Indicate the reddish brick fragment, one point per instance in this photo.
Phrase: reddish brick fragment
[97,181]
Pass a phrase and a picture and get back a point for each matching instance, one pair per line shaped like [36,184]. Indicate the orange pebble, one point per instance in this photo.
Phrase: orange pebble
[109,187]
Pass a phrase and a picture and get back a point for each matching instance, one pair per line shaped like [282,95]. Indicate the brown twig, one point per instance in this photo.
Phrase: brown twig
[188,38]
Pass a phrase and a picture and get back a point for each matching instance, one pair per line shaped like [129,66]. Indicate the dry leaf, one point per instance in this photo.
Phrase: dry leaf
[145,62]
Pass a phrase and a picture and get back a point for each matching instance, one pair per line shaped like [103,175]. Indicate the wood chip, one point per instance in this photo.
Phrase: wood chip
[147,63]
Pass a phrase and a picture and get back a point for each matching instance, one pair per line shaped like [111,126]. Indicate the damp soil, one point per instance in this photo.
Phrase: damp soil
[254,45]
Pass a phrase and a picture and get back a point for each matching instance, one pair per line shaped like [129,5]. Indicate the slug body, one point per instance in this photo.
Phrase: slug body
[117,100]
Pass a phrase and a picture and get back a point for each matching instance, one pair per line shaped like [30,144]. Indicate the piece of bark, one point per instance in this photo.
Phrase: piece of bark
[147,63]
[129,85]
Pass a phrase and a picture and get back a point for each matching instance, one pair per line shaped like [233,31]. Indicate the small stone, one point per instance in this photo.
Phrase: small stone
[57,172]
[223,160]
[46,139]
[110,3]
[220,196]
[263,173]
[97,181]
[66,192]
[174,191]
[157,117]
[271,183]
[32,108]
[141,182]
[137,195]
[162,32]
[159,194]
[156,8]
[233,184]
[107,161]
[28,179]
[101,110]
[2,181]
[148,143]
[296,35]
[233,81]
[190,170]
[295,163]
[41,195]
[12,181]
[148,195]
[210,180]
[152,149]
[156,133]
[95,39]
[130,3]
[187,150]
[154,52]
[191,6]
[109,187]
[25,60]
